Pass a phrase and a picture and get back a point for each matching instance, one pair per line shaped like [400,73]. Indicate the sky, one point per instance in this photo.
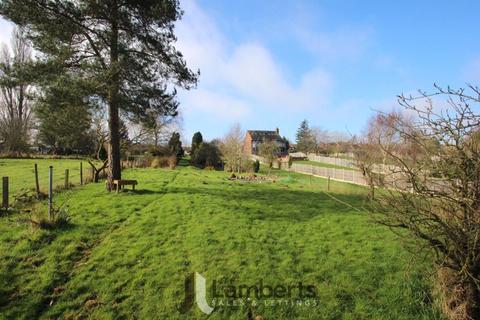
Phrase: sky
[271,64]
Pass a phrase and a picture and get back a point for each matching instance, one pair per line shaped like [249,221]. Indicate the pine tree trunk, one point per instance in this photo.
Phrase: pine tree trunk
[114,120]
[114,135]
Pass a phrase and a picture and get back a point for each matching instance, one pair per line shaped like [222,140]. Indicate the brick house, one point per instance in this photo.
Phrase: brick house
[253,138]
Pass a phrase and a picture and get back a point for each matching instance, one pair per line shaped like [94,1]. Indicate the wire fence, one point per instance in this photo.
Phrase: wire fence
[31,179]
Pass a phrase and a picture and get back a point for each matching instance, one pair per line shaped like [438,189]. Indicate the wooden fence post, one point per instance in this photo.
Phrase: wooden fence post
[66,179]
[328,184]
[311,174]
[81,174]
[50,192]
[37,184]
[5,192]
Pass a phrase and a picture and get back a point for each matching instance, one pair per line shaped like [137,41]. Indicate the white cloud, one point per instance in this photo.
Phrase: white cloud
[221,105]
[252,71]
[238,77]
[328,41]
[347,43]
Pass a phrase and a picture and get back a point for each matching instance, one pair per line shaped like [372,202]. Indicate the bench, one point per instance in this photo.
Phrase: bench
[120,183]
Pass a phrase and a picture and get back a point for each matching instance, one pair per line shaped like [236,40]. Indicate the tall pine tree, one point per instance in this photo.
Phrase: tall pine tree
[125,47]
[197,140]
[175,145]
[64,118]
[304,137]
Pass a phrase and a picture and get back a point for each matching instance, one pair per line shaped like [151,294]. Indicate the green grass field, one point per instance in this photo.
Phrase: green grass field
[126,255]
[321,164]
[21,173]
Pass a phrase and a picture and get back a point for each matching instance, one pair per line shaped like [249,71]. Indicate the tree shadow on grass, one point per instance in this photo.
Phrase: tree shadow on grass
[183,163]
[277,204]
[145,191]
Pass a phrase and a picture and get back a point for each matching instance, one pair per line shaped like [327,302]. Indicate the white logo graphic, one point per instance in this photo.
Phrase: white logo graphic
[201,294]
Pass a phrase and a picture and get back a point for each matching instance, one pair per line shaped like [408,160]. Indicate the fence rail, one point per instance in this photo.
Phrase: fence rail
[350,176]
[331,160]
[345,175]
[350,163]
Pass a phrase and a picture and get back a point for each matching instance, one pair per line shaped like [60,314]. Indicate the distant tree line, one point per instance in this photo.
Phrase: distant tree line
[116,56]
[55,113]
[15,96]
[318,141]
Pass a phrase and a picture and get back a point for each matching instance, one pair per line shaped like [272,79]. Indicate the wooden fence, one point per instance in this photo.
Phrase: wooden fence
[349,163]
[345,175]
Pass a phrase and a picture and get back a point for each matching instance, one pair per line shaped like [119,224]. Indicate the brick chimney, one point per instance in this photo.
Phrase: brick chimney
[277,130]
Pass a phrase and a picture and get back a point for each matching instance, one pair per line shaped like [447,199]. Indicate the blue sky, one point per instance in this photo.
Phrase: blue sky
[268,64]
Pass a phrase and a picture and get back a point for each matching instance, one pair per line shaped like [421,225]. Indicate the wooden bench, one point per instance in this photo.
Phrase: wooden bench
[120,183]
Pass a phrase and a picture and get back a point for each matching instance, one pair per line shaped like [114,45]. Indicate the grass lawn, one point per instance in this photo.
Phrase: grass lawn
[321,164]
[126,256]
[21,172]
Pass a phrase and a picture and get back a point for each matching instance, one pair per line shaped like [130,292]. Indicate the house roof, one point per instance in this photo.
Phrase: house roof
[262,135]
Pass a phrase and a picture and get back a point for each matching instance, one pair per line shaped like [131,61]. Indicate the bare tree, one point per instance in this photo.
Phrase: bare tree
[128,138]
[157,128]
[382,132]
[15,100]
[433,192]
[269,151]
[99,161]
[231,147]
[320,138]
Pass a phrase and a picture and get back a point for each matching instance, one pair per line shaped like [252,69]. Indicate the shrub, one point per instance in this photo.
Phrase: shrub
[25,196]
[156,162]
[207,155]
[144,162]
[197,140]
[60,217]
[159,151]
[164,162]
[172,162]
[159,162]
[175,146]
[256,166]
